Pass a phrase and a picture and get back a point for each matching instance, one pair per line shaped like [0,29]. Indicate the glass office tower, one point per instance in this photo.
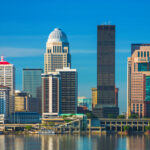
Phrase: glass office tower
[32,83]
[106,72]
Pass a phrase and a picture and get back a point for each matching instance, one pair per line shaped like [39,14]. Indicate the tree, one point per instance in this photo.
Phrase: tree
[28,127]
[126,128]
[89,115]
[111,116]
[147,128]
[133,116]
[121,117]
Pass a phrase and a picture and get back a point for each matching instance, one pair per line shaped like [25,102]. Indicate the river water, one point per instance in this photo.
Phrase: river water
[74,142]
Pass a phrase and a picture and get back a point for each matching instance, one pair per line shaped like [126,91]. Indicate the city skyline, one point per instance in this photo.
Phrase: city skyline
[28,37]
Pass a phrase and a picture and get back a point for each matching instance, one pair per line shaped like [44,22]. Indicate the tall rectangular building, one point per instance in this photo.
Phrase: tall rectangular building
[106,72]
[69,90]
[51,94]
[32,84]
[7,78]
[138,81]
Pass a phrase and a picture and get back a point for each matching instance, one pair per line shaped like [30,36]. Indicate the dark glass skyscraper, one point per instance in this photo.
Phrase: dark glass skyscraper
[32,83]
[69,90]
[106,71]
[106,64]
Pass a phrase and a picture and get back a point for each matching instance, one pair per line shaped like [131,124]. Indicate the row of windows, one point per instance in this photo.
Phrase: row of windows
[143,54]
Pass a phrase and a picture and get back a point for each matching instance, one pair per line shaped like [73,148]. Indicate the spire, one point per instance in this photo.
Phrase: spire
[2,58]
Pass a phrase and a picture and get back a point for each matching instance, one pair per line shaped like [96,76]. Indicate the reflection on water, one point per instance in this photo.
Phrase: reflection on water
[74,142]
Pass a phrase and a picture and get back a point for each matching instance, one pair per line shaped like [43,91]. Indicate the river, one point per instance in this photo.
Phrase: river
[74,142]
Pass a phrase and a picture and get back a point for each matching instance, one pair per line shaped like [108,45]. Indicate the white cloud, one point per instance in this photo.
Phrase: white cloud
[20,52]
[83,51]
[24,52]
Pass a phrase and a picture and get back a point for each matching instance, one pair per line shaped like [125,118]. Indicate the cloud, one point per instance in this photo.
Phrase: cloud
[20,52]
[25,52]
[83,51]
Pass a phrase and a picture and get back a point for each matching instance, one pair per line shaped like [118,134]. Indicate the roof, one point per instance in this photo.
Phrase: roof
[57,36]
[2,62]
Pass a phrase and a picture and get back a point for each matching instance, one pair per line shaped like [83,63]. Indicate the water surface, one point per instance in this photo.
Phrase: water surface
[74,142]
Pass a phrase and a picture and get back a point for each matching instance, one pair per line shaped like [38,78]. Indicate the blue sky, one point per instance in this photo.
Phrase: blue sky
[25,26]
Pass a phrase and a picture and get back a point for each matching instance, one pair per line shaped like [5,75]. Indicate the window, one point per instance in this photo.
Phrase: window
[144,54]
[138,54]
[141,54]
[147,54]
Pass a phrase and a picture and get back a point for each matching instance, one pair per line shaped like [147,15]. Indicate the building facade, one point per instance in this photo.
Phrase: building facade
[32,84]
[94,97]
[105,72]
[4,102]
[7,78]
[57,54]
[51,96]
[69,90]
[21,101]
[138,81]
[84,101]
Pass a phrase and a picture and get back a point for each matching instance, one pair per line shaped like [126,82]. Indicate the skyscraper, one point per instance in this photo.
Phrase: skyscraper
[106,72]
[69,90]
[51,96]
[57,54]
[32,84]
[7,78]
[138,81]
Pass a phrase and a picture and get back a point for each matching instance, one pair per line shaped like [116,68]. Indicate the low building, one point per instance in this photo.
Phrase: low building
[94,97]
[4,103]
[84,101]
[24,118]
[21,101]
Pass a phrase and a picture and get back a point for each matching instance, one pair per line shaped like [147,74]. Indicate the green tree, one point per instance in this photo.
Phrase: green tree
[111,116]
[126,128]
[147,128]
[134,116]
[89,115]
[121,117]
[28,127]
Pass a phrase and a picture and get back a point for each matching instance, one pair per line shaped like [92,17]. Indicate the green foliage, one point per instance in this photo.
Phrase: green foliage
[134,116]
[64,116]
[51,123]
[121,117]
[126,128]
[111,116]
[66,120]
[147,128]
[28,127]
[89,115]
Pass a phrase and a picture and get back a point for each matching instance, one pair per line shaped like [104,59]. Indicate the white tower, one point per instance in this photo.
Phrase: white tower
[57,52]
[7,78]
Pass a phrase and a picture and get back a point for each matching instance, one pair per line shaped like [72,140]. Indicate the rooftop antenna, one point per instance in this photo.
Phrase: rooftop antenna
[2,58]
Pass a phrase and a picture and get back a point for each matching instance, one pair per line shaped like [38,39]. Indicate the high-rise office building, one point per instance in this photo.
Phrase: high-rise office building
[138,81]
[4,101]
[69,90]
[21,101]
[51,88]
[105,72]
[57,54]
[7,78]
[32,84]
